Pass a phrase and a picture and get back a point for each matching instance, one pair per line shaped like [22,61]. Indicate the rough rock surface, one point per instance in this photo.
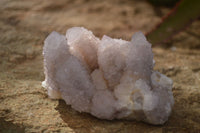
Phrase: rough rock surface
[24,104]
[109,78]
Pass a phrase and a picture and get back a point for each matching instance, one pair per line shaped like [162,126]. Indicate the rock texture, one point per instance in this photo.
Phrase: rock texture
[109,78]
[24,104]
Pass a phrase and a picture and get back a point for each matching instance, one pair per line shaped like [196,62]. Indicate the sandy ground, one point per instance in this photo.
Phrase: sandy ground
[24,104]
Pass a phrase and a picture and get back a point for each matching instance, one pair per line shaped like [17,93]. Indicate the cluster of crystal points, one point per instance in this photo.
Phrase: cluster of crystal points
[109,78]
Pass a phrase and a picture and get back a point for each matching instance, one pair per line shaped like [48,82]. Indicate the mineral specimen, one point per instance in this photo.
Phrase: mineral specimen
[109,78]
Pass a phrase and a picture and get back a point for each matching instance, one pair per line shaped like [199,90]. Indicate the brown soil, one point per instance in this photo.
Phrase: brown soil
[24,104]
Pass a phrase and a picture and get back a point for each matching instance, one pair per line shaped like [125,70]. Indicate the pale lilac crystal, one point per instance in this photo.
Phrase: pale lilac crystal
[109,78]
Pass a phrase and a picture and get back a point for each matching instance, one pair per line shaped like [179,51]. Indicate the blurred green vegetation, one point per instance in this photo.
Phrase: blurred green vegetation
[163,2]
[180,17]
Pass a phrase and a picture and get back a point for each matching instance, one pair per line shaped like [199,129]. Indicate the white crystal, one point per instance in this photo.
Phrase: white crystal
[109,78]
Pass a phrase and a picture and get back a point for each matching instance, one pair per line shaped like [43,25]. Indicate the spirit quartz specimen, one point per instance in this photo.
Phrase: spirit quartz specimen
[108,78]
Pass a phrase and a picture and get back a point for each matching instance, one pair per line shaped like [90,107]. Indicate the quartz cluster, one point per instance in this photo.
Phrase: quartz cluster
[108,78]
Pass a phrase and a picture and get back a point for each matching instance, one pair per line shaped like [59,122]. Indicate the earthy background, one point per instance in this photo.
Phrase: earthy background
[24,24]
